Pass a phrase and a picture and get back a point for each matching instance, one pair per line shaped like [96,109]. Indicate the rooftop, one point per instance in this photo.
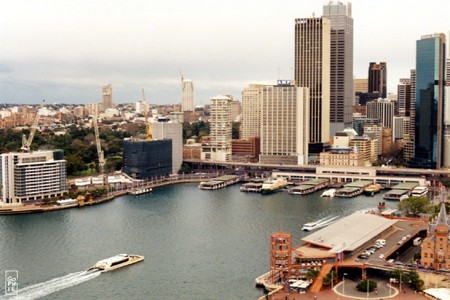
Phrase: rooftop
[344,233]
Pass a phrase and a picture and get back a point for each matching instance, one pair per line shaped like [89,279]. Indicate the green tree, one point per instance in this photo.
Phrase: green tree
[414,280]
[311,274]
[235,130]
[399,275]
[366,285]
[414,205]
[328,278]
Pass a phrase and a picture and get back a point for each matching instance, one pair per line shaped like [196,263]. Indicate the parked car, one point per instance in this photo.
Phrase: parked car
[381,256]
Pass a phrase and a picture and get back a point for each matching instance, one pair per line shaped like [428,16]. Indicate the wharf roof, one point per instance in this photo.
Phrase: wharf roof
[226,177]
[302,187]
[352,232]
[315,181]
[406,186]
[348,189]
[359,183]
[397,192]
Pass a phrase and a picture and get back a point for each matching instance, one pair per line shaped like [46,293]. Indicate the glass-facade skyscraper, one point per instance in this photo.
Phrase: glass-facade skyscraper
[429,102]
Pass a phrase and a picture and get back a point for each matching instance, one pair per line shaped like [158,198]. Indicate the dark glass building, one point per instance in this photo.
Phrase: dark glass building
[377,79]
[145,159]
[429,102]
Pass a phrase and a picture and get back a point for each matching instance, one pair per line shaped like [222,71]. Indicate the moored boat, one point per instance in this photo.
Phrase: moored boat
[272,185]
[372,189]
[329,193]
[116,262]
[309,226]
[140,191]
[419,191]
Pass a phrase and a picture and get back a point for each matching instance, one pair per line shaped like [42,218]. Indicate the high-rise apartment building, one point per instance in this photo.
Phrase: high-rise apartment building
[284,124]
[312,70]
[447,115]
[107,97]
[383,110]
[341,64]
[32,176]
[378,79]
[429,106]
[251,111]
[174,132]
[404,97]
[220,128]
[187,95]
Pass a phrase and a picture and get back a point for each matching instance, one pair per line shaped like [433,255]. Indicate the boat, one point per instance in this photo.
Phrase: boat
[381,205]
[115,262]
[309,226]
[372,189]
[419,191]
[138,192]
[67,202]
[328,193]
[273,185]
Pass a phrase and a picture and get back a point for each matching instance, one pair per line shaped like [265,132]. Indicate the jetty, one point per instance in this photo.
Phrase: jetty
[353,189]
[251,187]
[310,186]
[399,190]
[219,182]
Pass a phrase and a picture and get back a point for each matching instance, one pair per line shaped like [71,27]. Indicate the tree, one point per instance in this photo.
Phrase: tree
[328,278]
[366,284]
[414,280]
[311,274]
[414,205]
[398,274]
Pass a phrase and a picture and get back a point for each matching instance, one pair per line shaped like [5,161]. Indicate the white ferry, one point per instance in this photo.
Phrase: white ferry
[419,191]
[329,193]
[116,262]
[67,202]
[138,192]
[309,226]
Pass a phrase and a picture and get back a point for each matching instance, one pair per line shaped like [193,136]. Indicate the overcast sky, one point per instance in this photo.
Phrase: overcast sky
[64,51]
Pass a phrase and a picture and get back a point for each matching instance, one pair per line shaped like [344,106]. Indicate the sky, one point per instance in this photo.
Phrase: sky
[64,51]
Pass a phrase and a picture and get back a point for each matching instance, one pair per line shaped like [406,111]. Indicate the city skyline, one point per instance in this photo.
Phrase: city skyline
[65,52]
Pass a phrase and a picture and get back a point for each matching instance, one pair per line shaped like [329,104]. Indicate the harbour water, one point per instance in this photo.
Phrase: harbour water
[197,244]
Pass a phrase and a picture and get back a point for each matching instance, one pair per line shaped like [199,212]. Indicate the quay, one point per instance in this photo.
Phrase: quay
[219,182]
[309,186]
[399,190]
[353,189]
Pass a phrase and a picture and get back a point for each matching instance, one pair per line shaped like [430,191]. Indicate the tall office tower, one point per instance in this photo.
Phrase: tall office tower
[107,97]
[251,111]
[32,176]
[429,110]
[187,96]
[447,115]
[408,143]
[404,97]
[236,110]
[382,110]
[341,64]
[173,131]
[284,124]
[220,128]
[377,79]
[312,70]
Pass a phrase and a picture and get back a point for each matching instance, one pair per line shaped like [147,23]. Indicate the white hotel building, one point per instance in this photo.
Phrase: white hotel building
[31,176]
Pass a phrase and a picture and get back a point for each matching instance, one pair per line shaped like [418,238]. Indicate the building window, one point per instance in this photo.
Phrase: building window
[426,255]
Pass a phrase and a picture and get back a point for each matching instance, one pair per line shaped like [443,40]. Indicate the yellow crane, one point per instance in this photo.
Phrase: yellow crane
[26,142]
[101,155]
[148,125]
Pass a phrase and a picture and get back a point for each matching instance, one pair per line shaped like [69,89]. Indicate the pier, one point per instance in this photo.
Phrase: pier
[219,182]
[309,187]
[353,189]
[403,189]
[251,187]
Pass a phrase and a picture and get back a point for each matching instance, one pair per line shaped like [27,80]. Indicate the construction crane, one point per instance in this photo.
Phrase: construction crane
[148,125]
[101,156]
[26,143]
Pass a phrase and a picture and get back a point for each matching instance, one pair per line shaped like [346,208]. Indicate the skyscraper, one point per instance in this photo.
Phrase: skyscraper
[377,79]
[447,116]
[174,132]
[251,111]
[404,97]
[107,97]
[284,124]
[220,128]
[383,110]
[429,106]
[187,101]
[341,65]
[312,70]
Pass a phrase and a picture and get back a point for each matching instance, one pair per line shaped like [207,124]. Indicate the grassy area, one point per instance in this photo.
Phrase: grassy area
[86,172]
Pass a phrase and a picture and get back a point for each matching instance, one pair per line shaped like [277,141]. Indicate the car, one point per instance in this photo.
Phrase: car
[383,242]
[390,261]
[379,246]
[410,266]
[363,256]
[420,266]
[404,238]
[381,256]
[400,242]
[399,263]
[408,236]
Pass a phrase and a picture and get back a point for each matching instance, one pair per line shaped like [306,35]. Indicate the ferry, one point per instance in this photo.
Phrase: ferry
[116,262]
[372,189]
[309,226]
[273,185]
[328,193]
[138,192]
[67,202]
[419,191]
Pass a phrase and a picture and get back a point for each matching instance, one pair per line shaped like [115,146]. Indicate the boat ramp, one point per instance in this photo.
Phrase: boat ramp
[399,190]
[219,182]
[310,186]
[353,189]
